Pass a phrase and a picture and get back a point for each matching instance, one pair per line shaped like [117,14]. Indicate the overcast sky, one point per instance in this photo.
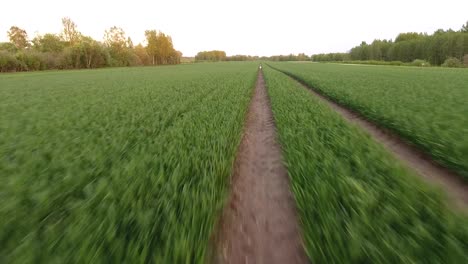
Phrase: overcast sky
[241,26]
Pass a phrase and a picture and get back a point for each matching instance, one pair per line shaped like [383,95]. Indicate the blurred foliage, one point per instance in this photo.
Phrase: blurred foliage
[117,165]
[356,203]
[427,106]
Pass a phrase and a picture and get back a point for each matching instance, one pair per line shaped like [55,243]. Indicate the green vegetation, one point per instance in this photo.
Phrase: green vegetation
[425,105]
[218,55]
[407,47]
[72,50]
[356,203]
[416,63]
[214,55]
[124,165]
[452,63]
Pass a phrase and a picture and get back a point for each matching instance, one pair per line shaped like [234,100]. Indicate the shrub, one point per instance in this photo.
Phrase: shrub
[70,58]
[396,63]
[452,63]
[420,63]
[7,46]
[465,60]
[31,60]
[51,60]
[8,61]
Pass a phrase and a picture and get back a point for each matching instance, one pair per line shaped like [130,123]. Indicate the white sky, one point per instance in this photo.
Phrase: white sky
[241,26]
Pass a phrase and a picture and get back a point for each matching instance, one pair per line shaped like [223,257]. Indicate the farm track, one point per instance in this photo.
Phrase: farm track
[259,224]
[452,183]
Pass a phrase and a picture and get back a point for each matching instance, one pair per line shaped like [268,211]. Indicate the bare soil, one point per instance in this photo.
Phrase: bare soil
[259,223]
[420,162]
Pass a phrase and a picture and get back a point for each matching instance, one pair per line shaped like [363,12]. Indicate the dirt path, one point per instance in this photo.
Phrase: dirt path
[422,163]
[259,225]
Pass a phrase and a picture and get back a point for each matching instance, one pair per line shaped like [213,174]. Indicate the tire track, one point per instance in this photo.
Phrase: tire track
[259,223]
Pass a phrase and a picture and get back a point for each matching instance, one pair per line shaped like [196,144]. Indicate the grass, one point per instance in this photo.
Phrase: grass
[356,203]
[132,164]
[124,165]
[427,106]
[415,63]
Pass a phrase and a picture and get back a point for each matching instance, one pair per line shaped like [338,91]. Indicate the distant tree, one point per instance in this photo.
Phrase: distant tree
[48,43]
[407,36]
[18,37]
[72,50]
[142,54]
[213,55]
[464,28]
[176,57]
[439,31]
[70,32]
[129,43]
[331,57]
[8,46]
[238,58]
[378,50]
[364,51]
[115,37]
[93,55]
[152,44]
[408,47]
[302,57]
[116,41]
[160,48]
[165,48]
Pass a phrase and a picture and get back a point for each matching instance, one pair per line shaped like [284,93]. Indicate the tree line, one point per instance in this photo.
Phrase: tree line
[218,55]
[441,47]
[72,50]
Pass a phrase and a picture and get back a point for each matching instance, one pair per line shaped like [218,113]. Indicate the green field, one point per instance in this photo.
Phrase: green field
[133,165]
[125,165]
[357,204]
[427,106]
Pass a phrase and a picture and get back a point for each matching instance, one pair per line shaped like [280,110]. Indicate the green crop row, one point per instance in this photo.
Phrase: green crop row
[427,106]
[125,165]
[356,203]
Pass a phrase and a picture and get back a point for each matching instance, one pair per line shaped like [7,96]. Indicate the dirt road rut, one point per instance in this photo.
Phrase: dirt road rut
[260,224]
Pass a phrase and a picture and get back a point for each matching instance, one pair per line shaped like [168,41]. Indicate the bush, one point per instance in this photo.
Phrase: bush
[420,63]
[452,63]
[8,61]
[465,60]
[70,58]
[51,60]
[7,46]
[396,63]
[31,60]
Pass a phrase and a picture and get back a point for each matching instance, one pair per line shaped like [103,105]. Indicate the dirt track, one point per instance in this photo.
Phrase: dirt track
[259,225]
[422,163]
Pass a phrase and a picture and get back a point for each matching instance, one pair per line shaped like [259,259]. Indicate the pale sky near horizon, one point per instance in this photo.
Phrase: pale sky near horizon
[241,26]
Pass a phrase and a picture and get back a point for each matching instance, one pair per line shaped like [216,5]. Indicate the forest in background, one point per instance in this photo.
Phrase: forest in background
[443,47]
[70,49]
[219,55]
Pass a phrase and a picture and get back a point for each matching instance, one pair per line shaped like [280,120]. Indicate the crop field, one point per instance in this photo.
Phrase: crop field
[356,203]
[123,165]
[140,165]
[427,106]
